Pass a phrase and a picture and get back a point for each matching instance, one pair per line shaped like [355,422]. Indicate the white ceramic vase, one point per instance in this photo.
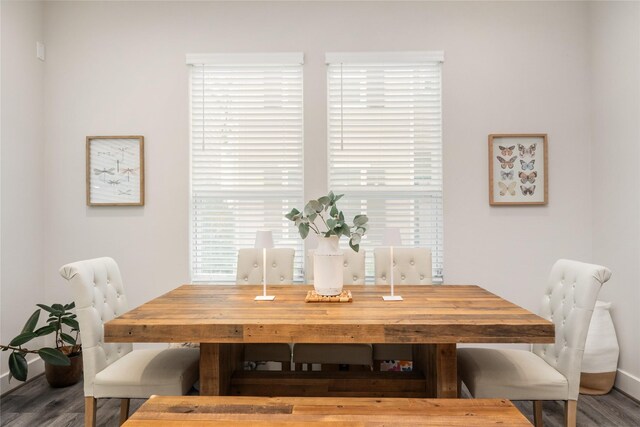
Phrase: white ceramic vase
[600,360]
[327,267]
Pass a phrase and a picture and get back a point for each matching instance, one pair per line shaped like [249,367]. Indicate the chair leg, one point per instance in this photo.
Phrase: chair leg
[570,413]
[286,366]
[537,413]
[89,411]
[124,410]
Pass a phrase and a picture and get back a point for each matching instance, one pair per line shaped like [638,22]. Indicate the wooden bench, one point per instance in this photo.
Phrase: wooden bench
[321,411]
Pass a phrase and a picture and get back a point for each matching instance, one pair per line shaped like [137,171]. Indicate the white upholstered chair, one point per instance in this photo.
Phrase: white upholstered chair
[336,354]
[115,370]
[279,271]
[412,266]
[550,371]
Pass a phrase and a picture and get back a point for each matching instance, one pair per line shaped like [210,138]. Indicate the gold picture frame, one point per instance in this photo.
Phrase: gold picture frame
[518,169]
[115,170]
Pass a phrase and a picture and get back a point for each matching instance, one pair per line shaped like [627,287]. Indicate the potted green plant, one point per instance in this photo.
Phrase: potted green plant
[63,363]
[328,258]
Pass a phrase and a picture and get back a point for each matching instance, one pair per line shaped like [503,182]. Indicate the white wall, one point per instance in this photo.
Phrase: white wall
[118,68]
[615,64]
[22,172]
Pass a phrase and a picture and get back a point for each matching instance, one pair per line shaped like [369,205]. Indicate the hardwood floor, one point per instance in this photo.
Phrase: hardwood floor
[36,404]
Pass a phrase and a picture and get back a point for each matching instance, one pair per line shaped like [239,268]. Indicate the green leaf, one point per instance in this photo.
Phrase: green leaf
[312,217]
[341,216]
[71,322]
[338,197]
[22,338]
[54,356]
[324,200]
[331,197]
[291,215]
[334,211]
[303,229]
[355,239]
[45,330]
[67,338]
[45,307]
[346,231]
[70,306]
[356,248]
[331,223]
[359,220]
[32,322]
[18,366]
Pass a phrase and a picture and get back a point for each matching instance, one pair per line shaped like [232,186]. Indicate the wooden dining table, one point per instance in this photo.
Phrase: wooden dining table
[434,319]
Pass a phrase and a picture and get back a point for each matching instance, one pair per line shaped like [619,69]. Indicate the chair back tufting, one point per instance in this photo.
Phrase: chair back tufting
[353,267]
[412,266]
[568,302]
[97,290]
[279,266]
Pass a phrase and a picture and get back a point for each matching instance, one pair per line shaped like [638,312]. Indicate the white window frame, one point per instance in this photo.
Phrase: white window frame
[435,58]
[288,59]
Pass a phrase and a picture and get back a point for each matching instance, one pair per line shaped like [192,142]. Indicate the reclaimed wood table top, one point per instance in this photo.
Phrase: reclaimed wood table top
[313,411]
[427,315]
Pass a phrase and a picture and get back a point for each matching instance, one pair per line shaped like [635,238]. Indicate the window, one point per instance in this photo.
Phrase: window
[385,145]
[246,157]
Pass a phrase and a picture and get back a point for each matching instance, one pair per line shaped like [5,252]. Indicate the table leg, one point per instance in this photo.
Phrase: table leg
[438,362]
[217,364]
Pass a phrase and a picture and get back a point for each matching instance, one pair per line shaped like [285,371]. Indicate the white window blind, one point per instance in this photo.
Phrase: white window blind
[385,145]
[246,157]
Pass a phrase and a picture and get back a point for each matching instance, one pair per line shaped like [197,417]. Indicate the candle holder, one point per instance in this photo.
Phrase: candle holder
[264,240]
[392,238]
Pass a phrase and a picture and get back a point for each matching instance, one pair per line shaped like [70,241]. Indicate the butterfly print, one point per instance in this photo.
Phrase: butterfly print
[526,165]
[531,150]
[506,175]
[511,189]
[527,190]
[531,177]
[506,151]
[506,163]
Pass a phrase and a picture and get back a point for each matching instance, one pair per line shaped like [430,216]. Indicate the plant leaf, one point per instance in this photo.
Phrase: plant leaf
[22,338]
[331,197]
[356,248]
[303,229]
[341,216]
[294,212]
[54,356]
[324,200]
[45,330]
[32,322]
[346,231]
[359,220]
[67,338]
[338,197]
[334,211]
[71,322]
[331,223]
[46,308]
[18,366]
[355,239]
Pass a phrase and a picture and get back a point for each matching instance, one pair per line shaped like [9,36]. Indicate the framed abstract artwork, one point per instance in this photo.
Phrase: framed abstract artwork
[115,171]
[518,173]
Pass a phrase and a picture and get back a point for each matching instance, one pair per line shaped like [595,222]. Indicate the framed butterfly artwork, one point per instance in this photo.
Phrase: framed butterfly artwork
[115,171]
[518,172]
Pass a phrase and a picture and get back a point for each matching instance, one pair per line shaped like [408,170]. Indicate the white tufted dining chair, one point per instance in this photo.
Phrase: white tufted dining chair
[115,370]
[336,354]
[550,371]
[411,266]
[279,271]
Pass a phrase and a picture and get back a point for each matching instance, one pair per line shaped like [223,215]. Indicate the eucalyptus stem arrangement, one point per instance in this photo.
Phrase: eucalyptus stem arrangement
[331,220]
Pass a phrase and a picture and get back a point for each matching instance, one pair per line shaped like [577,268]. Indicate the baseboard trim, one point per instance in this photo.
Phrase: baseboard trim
[36,368]
[628,384]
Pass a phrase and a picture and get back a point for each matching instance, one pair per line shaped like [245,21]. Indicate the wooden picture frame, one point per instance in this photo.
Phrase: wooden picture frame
[115,170]
[518,169]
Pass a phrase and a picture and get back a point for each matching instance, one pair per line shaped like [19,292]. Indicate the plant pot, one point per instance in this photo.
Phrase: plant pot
[600,359]
[64,376]
[327,267]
